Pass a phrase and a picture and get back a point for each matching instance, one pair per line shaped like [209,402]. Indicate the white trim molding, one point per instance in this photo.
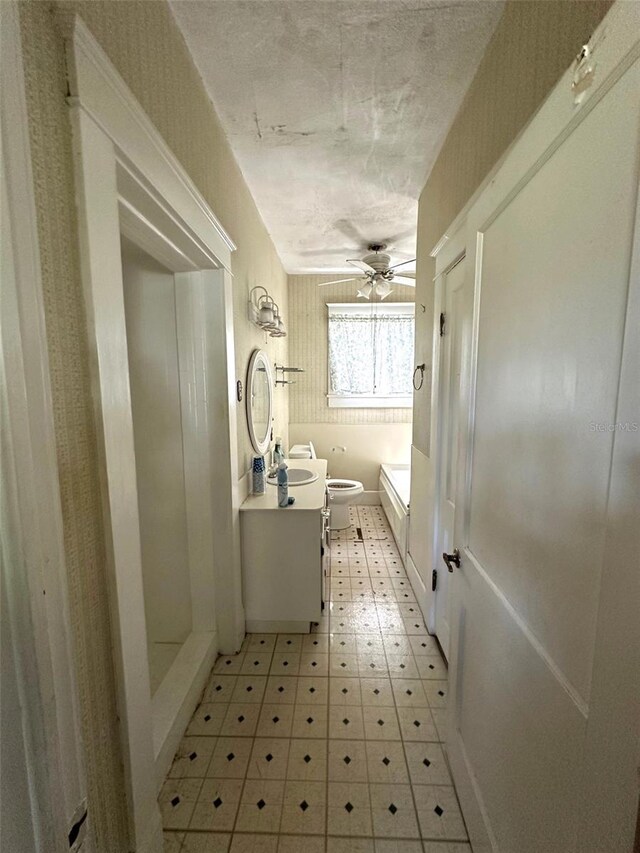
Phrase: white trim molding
[129,183]
[36,621]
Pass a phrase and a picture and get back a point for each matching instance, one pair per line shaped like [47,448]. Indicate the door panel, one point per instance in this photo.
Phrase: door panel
[551,322]
[549,251]
[521,731]
[455,307]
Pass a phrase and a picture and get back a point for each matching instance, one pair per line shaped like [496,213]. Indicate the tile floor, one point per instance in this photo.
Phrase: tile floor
[328,742]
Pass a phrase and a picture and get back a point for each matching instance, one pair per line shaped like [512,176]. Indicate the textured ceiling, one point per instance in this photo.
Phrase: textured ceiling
[336,110]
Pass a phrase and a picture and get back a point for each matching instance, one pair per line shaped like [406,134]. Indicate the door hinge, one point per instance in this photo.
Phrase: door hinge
[434,580]
[443,323]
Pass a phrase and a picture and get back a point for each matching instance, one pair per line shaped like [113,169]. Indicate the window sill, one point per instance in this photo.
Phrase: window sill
[338,401]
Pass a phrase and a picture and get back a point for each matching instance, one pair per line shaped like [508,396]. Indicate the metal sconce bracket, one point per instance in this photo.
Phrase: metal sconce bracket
[265,313]
[283,370]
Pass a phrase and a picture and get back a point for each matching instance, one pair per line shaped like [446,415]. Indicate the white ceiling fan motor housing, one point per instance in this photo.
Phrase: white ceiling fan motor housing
[378,260]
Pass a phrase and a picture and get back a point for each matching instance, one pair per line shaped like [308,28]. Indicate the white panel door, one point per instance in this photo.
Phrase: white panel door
[549,245]
[454,325]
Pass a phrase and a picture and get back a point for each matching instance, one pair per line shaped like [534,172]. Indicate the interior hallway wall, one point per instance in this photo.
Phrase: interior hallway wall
[371,436]
[532,46]
[146,47]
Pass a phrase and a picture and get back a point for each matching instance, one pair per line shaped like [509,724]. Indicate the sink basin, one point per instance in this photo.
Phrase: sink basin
[297,477]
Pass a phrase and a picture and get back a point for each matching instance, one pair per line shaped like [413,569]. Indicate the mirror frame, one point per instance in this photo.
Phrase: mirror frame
[258,355]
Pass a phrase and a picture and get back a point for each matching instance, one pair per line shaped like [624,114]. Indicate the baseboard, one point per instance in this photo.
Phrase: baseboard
[153,838]
[370,498]
[419,589]
[287,626]
[177,697]
[468,791]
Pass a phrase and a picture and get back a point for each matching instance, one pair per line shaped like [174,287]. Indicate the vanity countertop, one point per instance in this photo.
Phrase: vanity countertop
[309,497]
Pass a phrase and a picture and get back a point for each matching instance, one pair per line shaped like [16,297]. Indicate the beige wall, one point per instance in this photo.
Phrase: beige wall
[308,349]
[371,436]
[368,445]
[533,45]
[146,47]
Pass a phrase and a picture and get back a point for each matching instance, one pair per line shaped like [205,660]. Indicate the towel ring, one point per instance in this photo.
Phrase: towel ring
[421,368]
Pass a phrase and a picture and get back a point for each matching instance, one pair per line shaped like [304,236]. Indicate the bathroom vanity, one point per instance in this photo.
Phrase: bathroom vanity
[285,554]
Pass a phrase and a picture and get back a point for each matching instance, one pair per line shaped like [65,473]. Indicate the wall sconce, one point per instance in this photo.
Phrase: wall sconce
[265,313]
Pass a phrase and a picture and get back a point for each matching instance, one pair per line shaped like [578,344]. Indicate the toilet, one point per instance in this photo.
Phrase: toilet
[342,493]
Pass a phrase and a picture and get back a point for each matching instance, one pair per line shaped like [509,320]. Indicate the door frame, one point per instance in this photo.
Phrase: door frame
[34,574]
[127,179]
[447,256]
[615,692]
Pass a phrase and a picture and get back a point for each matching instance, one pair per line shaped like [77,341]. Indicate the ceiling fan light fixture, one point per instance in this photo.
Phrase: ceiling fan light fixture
[383,289]
[377,272]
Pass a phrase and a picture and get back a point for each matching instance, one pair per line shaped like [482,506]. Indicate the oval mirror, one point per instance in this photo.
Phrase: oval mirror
[259,401]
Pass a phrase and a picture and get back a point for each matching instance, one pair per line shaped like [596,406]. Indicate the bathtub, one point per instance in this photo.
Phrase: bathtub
[395,487]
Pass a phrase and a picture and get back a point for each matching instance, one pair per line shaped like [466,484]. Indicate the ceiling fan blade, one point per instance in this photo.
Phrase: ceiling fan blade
[401,279]
[402,263]
[338,281]
[361,265]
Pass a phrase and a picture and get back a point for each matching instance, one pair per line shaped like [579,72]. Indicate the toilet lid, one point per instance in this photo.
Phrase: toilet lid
[343,484]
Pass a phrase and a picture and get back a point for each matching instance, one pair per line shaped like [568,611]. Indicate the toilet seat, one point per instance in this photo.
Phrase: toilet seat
[343,485]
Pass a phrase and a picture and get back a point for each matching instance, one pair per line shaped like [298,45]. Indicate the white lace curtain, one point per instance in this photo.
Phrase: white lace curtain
[370,353]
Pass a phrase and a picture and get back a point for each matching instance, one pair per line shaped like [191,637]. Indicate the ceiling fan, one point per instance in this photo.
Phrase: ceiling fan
[377,274]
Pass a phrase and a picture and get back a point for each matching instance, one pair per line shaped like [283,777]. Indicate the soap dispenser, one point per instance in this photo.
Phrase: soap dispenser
[283,485]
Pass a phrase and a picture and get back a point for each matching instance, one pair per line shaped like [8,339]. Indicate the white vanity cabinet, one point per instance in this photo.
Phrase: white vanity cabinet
[285,555]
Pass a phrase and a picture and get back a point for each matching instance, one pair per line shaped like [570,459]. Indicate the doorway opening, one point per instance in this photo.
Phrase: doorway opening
[155,381]
[450,297]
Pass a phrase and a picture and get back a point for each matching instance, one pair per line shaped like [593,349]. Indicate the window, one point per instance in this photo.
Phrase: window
[371,355]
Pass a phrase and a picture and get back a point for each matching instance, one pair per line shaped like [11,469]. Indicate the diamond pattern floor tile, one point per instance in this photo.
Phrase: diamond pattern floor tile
[327,742]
